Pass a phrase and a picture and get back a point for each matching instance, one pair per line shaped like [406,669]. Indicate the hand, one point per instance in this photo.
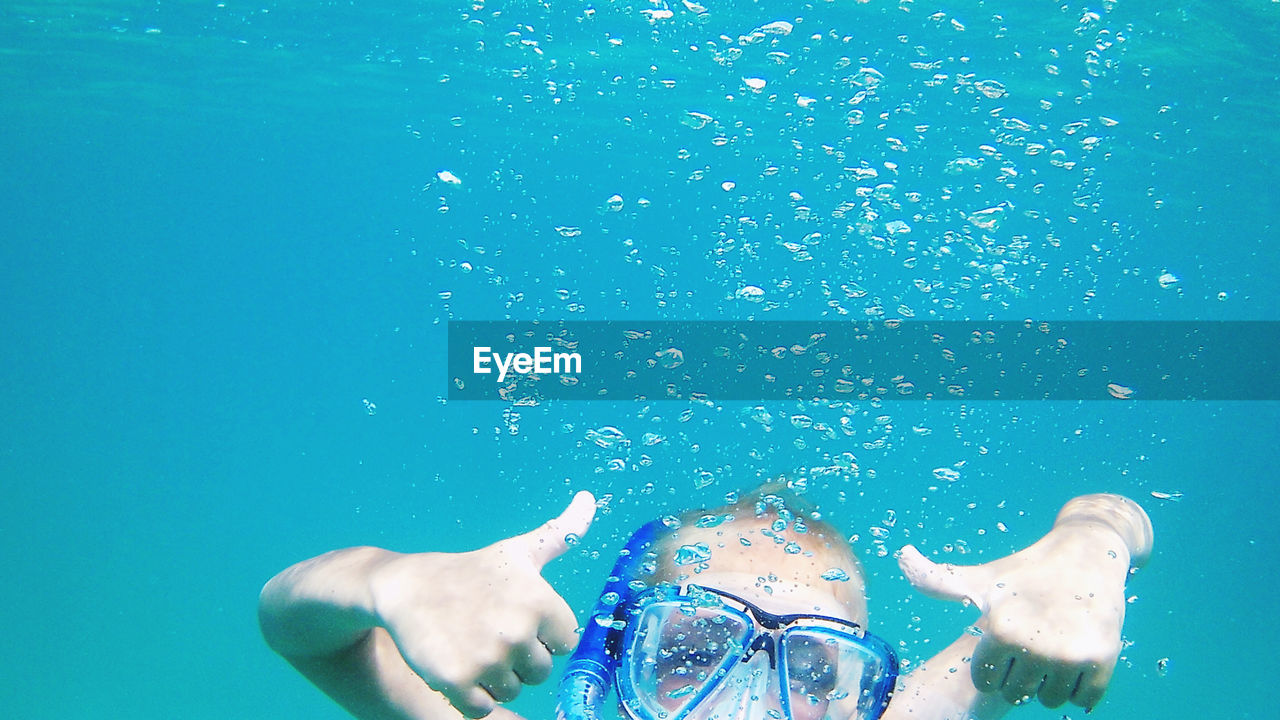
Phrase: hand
[1051,614]
[477,625]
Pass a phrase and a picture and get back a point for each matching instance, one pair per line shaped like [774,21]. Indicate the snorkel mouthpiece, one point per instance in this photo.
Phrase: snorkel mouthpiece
[588,677]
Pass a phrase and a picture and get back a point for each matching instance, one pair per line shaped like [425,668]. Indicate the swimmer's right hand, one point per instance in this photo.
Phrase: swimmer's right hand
[478,625]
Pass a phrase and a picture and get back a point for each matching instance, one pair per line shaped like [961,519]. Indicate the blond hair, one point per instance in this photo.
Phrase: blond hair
[781,529]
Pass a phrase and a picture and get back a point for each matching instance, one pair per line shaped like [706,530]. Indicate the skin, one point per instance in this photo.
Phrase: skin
[438,636]
[793,579]
[795,585]
[443,636]
[778,596]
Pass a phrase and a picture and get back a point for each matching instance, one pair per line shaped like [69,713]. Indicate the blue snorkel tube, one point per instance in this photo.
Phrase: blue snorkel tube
[589,676]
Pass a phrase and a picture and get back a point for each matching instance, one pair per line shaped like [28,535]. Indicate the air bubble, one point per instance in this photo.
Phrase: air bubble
[988,219]
[670,358]
[681,691]
[697,120]
[990,88]
[692,554]
[1120,392]
[606,436]
[946,474]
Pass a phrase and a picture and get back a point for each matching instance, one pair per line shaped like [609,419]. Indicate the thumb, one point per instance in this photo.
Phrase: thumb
[549,541]
[501,713]
[945,581]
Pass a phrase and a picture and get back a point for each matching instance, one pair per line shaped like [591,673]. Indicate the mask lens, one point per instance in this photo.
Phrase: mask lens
[831,674]
[678,653]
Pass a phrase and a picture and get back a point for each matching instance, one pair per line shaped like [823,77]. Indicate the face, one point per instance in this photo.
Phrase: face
[693,644]
[751,565]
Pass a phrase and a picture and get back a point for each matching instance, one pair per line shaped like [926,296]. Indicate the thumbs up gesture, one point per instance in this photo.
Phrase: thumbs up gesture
[1052,613]
[478,625]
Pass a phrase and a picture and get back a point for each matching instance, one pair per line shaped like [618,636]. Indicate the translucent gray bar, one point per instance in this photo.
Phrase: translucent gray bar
[840,361]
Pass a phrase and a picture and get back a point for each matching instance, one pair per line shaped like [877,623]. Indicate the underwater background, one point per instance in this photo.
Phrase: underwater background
[232,235]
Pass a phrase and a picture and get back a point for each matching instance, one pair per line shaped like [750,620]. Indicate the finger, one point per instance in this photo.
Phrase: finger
[1093,683]
[452,681]
[532,663]
[474,702]
[558,630]
[1057,688]
[1023,681]
[501,684]
[990,665]
[945,581]
[501,713]
[548,542]
[1076,682]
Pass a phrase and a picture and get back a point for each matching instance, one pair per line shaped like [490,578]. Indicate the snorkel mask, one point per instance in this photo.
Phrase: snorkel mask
[692,653]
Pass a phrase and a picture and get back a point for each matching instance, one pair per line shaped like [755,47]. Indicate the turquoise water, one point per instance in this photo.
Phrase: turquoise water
[224,235]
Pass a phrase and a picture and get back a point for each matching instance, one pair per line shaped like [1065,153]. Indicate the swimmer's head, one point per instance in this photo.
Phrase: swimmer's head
[770,548]
[781,573]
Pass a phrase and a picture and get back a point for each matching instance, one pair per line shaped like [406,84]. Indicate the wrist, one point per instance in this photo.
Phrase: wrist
[383,583]
[1117,513]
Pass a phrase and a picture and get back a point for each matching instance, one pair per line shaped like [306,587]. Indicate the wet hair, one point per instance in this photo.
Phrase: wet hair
[770,516]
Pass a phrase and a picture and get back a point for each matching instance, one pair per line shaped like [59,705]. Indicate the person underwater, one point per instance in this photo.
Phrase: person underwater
[752,611]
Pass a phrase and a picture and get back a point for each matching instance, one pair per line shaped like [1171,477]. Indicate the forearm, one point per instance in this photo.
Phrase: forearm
[372,682]
[320,615]
[426,636]
[941,689]
[321,606]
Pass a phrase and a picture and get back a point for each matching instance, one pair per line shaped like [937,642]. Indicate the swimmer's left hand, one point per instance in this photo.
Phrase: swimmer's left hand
[1052,613]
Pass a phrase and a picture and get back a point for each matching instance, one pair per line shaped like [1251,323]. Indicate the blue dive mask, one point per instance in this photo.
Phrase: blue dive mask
[702,654]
